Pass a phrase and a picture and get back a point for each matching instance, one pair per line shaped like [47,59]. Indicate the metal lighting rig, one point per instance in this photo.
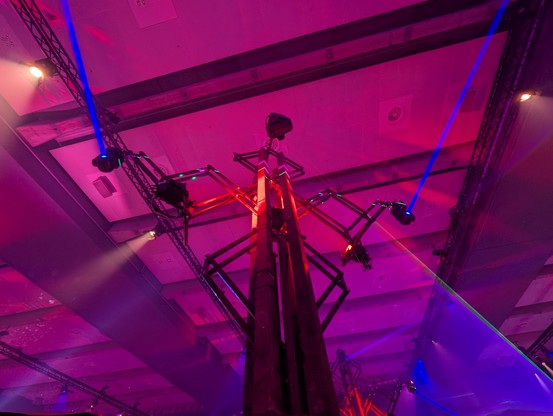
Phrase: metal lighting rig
[287,370]
[346,372]
[43,368]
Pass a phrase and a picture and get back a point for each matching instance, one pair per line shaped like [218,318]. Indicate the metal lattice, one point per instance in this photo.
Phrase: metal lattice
[494,132]
[492,138]
[43,368]
[30,14]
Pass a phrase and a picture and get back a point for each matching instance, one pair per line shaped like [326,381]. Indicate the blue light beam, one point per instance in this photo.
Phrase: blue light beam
[434,403]
[84,81]
[479,58]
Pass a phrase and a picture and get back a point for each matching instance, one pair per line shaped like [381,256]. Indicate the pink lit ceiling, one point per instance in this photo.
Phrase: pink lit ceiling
[81,293]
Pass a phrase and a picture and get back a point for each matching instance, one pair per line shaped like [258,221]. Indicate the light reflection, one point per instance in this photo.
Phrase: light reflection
[381,340]
[542,383]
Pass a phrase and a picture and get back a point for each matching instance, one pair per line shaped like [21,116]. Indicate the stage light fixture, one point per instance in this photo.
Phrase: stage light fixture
[43,68]
[357,253]
[110,161]
[173,193]
[277,126]
[155,232]
[400,213]
[525,96]
[93,404]
[36,71]
[64,390]
[411,388]
[547,352]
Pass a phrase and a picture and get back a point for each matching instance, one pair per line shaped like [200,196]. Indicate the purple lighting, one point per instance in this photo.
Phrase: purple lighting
[472,363]
[479,58]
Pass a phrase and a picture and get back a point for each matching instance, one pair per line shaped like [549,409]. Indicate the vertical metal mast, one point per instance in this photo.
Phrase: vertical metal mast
[263,384]
[316,388]
[289,376]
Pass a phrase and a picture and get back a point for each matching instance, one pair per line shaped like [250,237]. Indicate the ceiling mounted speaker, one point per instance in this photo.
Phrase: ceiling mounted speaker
[104,186]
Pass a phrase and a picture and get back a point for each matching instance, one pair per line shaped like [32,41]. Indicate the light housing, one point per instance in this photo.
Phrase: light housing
[43,68]
[400,213]
[110,161]
[173,193]
[157,231]
[277,126]
[525,96]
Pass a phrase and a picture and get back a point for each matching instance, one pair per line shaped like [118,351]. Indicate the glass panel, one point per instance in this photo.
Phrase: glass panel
[463,366]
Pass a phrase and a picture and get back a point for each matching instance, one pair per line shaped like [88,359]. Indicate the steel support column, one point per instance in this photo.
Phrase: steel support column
[263,384]
[316,387]
[292,384]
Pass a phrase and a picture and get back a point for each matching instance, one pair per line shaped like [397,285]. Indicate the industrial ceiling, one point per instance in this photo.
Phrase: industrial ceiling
[369,87]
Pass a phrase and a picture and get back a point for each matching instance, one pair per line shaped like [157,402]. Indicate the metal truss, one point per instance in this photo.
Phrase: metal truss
[538,353]
[494,132]
[142,171]
[245,159]
[492,138]
[43,368]
[32,17]
[346,372]
[541,341]
[353,233]
[147,179]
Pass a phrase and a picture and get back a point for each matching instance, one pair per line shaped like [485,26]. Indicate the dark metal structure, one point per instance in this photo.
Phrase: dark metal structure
[498,119]
[287,370]
[346,371]
[524,24]
[66,380]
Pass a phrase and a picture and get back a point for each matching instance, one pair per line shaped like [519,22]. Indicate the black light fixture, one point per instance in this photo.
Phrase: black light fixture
[277,126]
[43,68]
[110,161]
[173,193]
[439,252]
[400,213]
[154,233]
[411,388]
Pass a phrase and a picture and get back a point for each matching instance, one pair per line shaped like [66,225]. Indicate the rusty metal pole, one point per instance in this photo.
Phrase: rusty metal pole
[314,375]
[291,385]
[263,384]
